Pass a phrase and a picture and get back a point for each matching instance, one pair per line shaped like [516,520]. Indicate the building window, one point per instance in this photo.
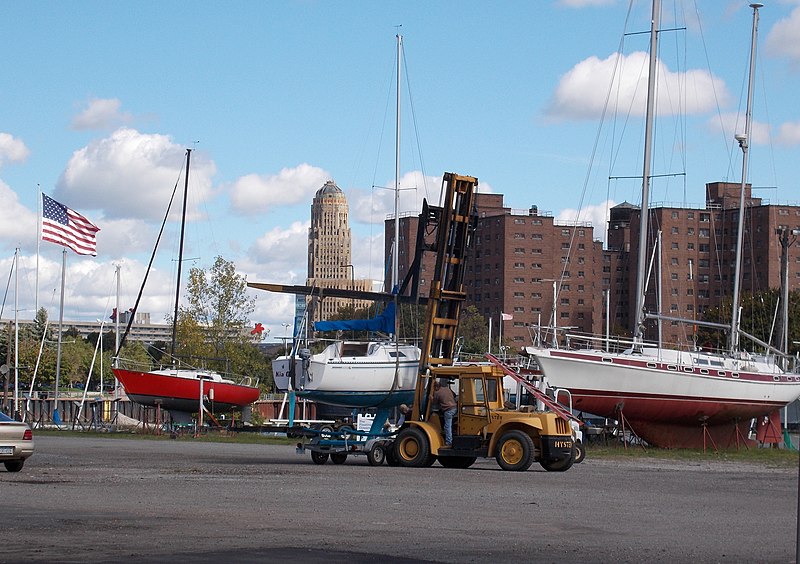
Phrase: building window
[519,280]
[704,233]
[519,221]
[675,231]
[565,232]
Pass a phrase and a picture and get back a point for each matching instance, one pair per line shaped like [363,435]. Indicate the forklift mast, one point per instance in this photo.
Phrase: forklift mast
[455,225]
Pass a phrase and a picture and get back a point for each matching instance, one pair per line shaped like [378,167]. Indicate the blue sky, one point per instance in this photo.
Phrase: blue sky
[100,99]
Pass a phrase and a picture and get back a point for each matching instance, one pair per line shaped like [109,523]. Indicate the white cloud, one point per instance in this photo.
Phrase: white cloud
[582,92]
[12,149]
[789,133]
[280,255]
[18,224]
[254,193]
[101,113]
[784,37]
[131,174]
[597,214]
[121,237]
[90,287]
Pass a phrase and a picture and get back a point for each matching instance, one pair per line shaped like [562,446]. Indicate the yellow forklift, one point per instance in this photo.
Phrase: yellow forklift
[484,425]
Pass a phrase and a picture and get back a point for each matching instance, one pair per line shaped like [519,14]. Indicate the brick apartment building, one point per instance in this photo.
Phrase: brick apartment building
[527,264]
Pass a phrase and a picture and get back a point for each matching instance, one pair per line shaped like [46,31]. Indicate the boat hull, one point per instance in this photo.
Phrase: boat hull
[375,378]
[668,403]
[178,393]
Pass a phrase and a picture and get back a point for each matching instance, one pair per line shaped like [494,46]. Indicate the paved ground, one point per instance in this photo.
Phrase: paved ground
[109,500]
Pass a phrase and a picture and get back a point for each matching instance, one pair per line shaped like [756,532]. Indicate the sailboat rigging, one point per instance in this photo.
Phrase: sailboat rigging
[676,398]
[182,391]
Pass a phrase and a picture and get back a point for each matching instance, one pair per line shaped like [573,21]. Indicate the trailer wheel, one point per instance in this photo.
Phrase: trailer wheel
[515,451]
[580,452]
[412,449]
[376,455]
[457,461]
[338,457]
[319,457]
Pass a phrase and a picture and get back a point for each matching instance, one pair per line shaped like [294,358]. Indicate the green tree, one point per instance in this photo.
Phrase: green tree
[758,312]
[474,329]
[216,324]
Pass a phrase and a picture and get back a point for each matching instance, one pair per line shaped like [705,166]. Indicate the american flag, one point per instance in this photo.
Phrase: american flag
[67,227]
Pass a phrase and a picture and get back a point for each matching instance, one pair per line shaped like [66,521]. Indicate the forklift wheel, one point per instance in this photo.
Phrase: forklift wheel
[412,448]
[515,451]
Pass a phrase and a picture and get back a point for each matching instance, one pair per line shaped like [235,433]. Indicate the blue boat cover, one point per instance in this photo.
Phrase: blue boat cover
[383,322]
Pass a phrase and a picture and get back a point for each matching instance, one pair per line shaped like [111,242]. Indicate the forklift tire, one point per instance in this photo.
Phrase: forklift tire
[457,461]
[376,455]
[412,449]
[319,457]
[338,457]
[515,451]
[580,452]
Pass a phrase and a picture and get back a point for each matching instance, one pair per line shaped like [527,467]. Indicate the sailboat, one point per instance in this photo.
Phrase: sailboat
[183,390]
[359,374]
[677,398]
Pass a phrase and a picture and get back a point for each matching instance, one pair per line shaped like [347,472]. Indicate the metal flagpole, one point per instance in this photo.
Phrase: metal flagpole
[56,417]
[38,247]
[16,335]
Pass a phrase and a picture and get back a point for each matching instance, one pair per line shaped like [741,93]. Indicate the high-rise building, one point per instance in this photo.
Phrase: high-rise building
[330,263]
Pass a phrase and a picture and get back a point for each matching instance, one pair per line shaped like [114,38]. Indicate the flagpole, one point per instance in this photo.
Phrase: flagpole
[116,338]
[16,335]
[500,338]
[56,418]
[38,247]
[490,335]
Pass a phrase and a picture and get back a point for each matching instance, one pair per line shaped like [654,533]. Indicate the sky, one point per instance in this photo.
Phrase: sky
[542,101]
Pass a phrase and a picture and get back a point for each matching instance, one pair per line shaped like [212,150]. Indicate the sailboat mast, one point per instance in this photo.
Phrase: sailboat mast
[395,258]
[744,144]
[638,329]
[180,258]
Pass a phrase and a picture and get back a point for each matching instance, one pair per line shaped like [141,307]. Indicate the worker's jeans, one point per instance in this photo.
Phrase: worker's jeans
[448,425]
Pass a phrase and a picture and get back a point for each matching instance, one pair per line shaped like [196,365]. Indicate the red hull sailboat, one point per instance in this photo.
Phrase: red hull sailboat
[180,390]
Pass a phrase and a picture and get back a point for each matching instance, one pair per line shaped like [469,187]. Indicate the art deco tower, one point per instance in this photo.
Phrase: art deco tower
[330,263]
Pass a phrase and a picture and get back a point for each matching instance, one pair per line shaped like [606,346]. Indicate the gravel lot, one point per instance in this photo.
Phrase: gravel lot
[108,500]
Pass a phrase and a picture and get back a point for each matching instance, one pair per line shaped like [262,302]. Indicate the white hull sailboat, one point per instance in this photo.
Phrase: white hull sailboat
[353,374]
[675,398]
